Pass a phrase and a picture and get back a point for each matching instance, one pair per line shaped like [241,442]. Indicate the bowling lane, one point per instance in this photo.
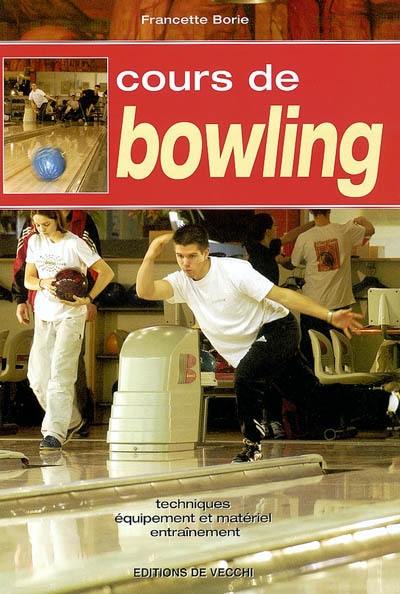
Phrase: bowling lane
[379,575]
[55,551]
[88,459]
[18,131]
[53,547]
[79,144]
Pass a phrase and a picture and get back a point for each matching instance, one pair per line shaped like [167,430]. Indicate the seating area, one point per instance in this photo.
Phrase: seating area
[3,337]
[14,355]
[334,361]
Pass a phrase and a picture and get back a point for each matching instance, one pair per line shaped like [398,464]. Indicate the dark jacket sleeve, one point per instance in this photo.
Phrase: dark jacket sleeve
[19,292]
[91,235]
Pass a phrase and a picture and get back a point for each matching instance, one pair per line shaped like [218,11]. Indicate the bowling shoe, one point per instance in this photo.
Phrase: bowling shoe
[50,443]
[251,452]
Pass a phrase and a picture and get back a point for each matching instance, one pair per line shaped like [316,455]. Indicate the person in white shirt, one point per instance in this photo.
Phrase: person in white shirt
[59,325]
[39,101]
[325,251]
[244,316]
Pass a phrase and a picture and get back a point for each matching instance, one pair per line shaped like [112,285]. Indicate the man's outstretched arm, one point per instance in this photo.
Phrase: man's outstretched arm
[146,286]
[345,319]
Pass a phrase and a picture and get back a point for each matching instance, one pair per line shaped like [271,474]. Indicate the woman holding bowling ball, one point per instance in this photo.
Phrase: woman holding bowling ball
[59,325]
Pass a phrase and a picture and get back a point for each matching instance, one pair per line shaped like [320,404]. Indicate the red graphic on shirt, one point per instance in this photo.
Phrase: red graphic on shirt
[328,257]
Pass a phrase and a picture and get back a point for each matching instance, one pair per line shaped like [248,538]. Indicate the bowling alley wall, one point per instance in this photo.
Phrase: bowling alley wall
[125,236]
[58,77]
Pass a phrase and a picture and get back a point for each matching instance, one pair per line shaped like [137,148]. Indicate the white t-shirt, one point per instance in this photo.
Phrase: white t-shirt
[49,258]
[326,252]
[38,97]
[229,304]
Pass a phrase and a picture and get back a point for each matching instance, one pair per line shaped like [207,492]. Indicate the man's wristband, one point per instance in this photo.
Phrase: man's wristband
[90,298]
[329,317]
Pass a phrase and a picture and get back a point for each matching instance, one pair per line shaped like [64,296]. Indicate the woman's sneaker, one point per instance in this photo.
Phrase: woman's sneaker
[251,452]
[50,443]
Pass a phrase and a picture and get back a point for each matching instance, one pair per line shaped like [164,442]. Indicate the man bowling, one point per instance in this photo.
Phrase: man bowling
[244,316]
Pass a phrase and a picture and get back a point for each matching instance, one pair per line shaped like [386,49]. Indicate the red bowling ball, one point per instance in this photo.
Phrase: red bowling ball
[70,282]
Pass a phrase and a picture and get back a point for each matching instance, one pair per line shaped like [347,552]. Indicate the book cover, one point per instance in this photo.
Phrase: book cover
[153,106]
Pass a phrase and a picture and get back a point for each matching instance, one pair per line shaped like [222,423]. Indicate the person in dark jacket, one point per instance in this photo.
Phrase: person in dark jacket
[264,251]
[264,248]
[80,223]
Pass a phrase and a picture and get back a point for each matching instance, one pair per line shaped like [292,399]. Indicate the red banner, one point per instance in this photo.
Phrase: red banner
[250,124]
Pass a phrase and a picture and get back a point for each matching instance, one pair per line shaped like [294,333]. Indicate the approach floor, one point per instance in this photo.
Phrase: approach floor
[70,547]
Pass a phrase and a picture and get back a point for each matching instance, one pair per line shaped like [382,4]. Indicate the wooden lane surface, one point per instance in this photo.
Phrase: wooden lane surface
[12,131]
[28,130]
[76,142]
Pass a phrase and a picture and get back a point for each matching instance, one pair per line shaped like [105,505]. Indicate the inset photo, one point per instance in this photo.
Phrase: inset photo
[55,125]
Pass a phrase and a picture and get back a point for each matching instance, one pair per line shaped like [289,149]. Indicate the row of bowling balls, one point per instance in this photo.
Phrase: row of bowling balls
[117,295]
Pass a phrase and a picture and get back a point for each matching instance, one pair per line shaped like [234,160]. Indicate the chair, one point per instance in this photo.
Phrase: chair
[16,355]
[324,364]
[3,337]
[344,357]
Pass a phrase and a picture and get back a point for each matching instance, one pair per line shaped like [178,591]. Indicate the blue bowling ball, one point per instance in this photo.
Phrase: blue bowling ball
[48,163]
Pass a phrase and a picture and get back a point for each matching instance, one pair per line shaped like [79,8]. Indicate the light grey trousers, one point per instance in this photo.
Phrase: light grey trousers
[52,371]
